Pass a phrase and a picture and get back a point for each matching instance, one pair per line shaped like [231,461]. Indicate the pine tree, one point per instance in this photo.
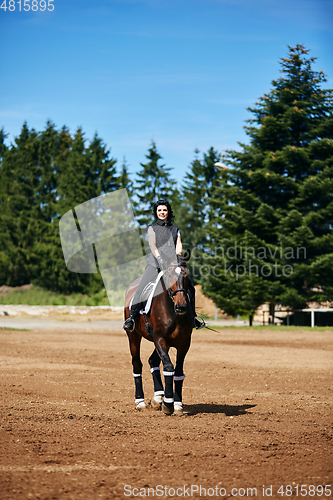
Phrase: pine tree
[18,226]
[50,271]
[3,146]
[153,182]
[124,181]
[103,168]
[42,176]
[195,208]
[47,171]
[276,201]
[4,237]
[84,172]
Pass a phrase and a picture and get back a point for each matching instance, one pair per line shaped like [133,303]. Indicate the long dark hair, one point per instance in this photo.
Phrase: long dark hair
[167,204]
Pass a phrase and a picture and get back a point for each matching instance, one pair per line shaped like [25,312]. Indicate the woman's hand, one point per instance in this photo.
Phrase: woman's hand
[161,264]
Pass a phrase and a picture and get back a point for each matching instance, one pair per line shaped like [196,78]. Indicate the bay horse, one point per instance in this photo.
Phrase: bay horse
[169,323]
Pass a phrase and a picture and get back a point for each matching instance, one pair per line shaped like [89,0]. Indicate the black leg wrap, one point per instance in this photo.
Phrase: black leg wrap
[178,388]
[138,386]
[156,374]
[168,380]
[154,359]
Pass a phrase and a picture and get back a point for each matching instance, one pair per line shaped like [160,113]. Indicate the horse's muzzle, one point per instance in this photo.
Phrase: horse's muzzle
[180,309]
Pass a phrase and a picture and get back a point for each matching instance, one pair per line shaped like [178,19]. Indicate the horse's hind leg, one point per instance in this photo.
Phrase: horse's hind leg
[134,343]
[179,378]
[154,362]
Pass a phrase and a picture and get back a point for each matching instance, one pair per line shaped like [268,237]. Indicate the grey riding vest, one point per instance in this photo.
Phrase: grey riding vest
[166,238]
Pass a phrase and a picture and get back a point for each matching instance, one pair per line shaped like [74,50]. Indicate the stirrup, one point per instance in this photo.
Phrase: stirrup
[127,327]
[199,324]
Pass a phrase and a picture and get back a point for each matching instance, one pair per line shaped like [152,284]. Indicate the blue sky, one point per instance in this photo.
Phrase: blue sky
[181,73]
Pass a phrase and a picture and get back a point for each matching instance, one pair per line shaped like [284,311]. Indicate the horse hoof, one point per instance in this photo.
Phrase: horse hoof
[167,408]
[141,405]
[156,404]
[178,409]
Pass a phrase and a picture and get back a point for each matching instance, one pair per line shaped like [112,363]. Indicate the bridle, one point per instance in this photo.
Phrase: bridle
[178,290]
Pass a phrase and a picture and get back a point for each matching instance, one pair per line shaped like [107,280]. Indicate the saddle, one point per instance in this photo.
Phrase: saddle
[147,294]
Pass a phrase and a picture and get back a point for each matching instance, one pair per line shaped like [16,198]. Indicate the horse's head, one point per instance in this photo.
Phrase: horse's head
[177,277]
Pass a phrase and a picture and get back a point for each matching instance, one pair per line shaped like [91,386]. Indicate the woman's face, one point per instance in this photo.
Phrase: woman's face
[162,212]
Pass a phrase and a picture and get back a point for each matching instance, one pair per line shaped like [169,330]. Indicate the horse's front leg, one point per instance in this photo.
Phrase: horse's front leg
[135,343]
[154,362]
[168,371]
[179,377]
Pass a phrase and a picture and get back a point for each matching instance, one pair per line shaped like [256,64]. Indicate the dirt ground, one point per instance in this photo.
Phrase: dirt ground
[257,422]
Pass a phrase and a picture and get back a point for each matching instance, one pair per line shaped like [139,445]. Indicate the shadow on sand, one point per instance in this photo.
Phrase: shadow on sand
[229,411]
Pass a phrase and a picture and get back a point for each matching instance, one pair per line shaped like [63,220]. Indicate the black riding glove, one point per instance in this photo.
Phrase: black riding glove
[161,263]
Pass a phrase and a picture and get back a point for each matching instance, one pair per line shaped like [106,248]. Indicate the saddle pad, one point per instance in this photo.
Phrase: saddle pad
[151,295]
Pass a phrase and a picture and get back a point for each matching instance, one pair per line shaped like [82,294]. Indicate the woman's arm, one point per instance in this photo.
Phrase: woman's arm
[179,246]
[152,245]
[155,252]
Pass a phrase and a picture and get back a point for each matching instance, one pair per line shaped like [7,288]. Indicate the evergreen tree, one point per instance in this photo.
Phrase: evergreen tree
[42,176]
[19,181]
[50,271]
[153,183]
[124,181]
[102,167]
[47,171]
[275,204]
[84,172]
[195,208]
[3,146]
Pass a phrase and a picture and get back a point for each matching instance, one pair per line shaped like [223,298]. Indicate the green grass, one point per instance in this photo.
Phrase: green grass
[274,328]
[15,329]
[212,318]
[37,296]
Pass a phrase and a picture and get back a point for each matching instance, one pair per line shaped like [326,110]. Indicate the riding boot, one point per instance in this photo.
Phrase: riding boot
[197,323]
[130,322]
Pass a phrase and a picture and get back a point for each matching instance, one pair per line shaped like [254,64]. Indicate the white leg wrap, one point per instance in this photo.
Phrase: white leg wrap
[137,374]
[178,408]
[168,374]
[156,368]
[159,393]
[140,404]
[158,399]
[168,400]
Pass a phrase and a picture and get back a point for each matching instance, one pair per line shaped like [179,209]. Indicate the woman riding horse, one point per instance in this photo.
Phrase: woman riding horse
[168,321]
[165,245]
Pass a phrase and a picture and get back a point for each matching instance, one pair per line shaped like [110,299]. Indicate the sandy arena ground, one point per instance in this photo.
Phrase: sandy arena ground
[258,415]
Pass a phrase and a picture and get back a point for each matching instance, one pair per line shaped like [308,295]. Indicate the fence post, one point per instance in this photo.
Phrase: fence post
[312,318]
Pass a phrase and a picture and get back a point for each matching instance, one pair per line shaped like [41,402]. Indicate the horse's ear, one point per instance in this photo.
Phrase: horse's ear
[187,255]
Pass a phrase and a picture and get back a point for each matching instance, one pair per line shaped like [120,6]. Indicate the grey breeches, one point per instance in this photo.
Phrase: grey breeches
[150,274]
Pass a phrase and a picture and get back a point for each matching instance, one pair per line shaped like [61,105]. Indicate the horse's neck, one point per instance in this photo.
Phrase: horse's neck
[164,301]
